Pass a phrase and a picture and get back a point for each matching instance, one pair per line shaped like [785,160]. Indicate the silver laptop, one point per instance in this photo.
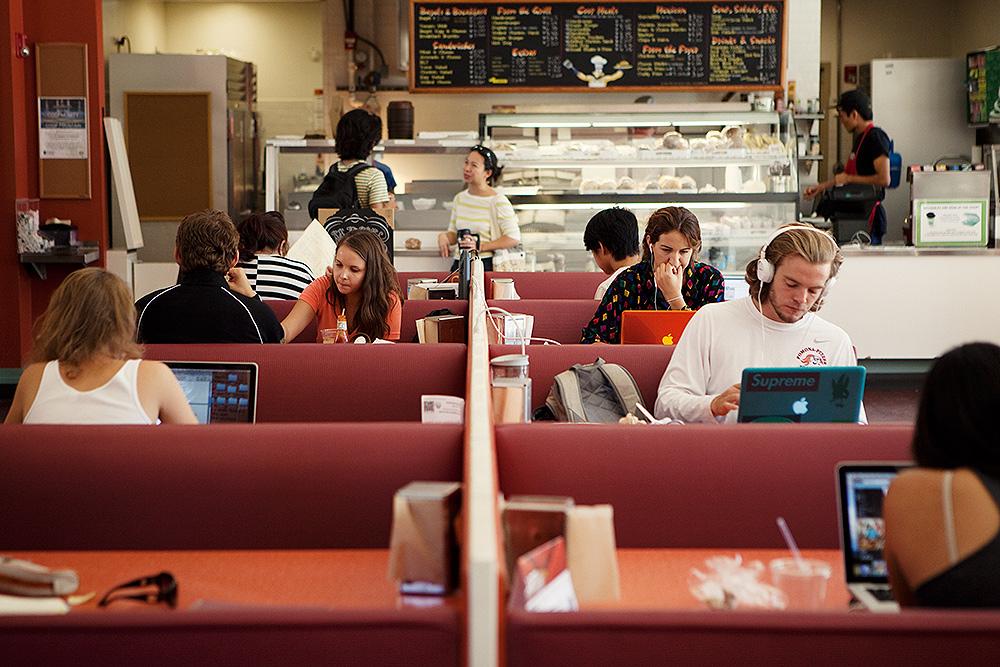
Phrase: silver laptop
[219,392]
[861,488]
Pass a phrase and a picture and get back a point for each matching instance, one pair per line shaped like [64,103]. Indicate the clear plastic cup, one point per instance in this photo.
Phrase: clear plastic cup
[329,336]
[802,581]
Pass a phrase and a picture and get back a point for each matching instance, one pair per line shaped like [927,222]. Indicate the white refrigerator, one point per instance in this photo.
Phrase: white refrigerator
[920,103]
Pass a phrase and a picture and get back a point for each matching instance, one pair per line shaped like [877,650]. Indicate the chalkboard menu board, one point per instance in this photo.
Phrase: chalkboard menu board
[570,45]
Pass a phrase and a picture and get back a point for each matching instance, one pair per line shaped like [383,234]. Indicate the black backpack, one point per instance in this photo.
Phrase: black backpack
[338,190]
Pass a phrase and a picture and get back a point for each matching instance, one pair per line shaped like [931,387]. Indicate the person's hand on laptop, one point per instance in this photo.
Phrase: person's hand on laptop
[238,282]
[726,402]
[668,280]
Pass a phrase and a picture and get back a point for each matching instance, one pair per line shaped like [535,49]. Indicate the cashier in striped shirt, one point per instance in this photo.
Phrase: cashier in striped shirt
[484,212]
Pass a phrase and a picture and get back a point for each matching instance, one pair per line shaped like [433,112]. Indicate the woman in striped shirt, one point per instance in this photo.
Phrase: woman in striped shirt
[263,244]
[487,214]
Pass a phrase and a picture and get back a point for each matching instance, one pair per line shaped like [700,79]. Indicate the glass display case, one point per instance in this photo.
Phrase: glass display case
[734,168]
[428,172]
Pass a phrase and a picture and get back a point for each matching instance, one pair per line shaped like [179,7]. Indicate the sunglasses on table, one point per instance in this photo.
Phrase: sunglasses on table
[166,590]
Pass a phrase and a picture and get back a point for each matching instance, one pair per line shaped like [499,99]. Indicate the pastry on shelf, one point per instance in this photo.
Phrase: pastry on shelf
[675,141]
[708,188]
[734,136]
[626,183]
[412,244]
[669,183]
[688,183]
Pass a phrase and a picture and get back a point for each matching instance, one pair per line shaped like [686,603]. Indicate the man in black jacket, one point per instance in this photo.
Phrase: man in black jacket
[212,301]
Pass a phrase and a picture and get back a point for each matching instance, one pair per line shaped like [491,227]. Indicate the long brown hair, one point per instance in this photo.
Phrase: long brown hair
[672,219]
[380,282]
[91,313]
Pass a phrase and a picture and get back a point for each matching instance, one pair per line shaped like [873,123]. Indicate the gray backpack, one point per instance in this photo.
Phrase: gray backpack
[594,393]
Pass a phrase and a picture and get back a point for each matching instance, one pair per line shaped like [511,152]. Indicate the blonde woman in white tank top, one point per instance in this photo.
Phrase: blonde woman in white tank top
[87,368]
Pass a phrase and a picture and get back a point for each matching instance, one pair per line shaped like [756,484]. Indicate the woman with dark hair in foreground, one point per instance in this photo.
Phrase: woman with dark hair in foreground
[942,518]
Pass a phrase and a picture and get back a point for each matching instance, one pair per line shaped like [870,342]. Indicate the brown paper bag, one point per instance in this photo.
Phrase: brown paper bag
[423,547]
[592,554]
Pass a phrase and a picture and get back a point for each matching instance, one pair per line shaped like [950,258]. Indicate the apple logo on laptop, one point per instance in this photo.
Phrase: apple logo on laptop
[800,407]
[668,339]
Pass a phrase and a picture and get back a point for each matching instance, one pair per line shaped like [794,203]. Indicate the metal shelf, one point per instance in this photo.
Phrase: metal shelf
[814,158]
[653,163]
[809,116]
[80,255]
[665,198]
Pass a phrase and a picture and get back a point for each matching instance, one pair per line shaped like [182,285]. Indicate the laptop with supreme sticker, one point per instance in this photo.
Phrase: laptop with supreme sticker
[806,394]
[861,489]
[654,327]
[219,392]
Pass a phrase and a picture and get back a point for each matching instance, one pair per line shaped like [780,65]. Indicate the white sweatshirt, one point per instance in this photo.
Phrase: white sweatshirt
[724,338]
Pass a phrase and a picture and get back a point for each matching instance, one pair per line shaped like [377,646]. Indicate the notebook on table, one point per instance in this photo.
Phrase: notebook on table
[219,392]
[806,394]
[861,488]
[654,327]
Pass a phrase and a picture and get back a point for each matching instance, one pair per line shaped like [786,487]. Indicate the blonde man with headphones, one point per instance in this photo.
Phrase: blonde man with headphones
[776,326]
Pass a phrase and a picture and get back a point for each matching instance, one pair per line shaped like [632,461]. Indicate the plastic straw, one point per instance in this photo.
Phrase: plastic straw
[790,541]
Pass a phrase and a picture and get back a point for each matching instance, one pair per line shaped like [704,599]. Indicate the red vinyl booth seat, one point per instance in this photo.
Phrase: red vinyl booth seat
[428,637]
[561,320]
[748,638]
[700,485]
[548,285]
[646,363]
[264,486]
[318,383]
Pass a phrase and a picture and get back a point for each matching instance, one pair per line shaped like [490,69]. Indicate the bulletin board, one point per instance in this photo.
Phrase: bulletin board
[61,84]
[169,141]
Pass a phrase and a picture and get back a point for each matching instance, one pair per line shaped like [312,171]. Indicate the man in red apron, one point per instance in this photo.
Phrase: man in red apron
[869,160]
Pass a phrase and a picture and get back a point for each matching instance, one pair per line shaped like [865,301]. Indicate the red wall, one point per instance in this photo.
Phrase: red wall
[23,296]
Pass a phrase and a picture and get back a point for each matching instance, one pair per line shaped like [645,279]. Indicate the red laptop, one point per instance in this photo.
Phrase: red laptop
[654,327]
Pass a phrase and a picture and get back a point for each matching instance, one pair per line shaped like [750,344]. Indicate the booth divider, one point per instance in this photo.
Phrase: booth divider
[342,383]
[483,585]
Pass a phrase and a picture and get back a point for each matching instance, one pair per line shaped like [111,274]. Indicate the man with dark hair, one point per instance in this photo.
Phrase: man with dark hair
[357,133]
[869,160]
[212,301]
[612,237]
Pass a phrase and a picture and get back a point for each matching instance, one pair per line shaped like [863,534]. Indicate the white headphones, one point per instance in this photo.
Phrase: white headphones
[765,270]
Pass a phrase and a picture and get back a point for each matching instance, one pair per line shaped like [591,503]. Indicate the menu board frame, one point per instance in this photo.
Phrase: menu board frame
[584,89]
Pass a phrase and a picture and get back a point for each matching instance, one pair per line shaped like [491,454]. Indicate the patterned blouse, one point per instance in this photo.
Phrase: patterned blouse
[634,290]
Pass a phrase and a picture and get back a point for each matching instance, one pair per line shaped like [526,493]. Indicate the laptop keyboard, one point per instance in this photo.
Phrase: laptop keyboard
[881,594]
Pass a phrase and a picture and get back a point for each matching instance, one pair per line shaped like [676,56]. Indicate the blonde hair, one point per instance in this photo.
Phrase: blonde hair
[809,244]
[91,313]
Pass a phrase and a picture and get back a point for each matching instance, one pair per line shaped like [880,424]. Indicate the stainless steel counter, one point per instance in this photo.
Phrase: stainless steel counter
[912,251]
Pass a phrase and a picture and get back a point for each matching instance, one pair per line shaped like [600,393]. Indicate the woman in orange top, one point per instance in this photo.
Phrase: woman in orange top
[363,286]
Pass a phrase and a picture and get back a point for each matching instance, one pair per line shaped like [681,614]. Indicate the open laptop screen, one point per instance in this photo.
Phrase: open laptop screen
[802,394]
[654,327]
[219,392]
[862,489]
[8,385]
